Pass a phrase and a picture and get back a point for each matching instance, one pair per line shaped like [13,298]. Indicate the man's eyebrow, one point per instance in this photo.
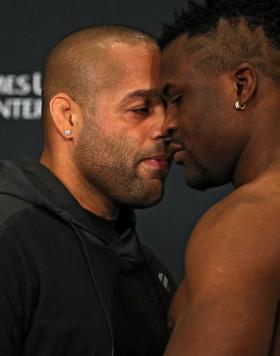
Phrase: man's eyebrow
[165,92]
[143,93]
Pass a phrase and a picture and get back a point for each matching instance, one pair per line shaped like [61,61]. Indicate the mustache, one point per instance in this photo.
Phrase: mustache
[160,149]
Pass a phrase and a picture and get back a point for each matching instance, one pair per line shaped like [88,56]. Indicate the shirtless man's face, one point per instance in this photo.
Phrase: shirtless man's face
[201,113]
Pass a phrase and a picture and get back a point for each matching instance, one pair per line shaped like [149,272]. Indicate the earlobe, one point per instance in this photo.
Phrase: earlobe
[245,85]
[62,108]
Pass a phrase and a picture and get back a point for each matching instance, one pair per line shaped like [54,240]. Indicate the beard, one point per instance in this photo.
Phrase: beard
[112,166]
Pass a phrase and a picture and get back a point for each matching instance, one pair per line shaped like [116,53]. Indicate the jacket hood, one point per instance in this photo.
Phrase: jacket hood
[32,182]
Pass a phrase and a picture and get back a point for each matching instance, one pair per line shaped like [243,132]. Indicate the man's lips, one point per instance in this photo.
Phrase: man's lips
[177,150]
[174,147]
[179,156]
[161,161]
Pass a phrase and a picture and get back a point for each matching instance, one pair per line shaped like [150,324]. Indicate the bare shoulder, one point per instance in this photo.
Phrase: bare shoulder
[260,199]
[253,209]
[239,238]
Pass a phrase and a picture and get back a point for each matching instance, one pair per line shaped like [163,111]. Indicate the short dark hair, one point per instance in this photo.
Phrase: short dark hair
[199,19]
[204,20]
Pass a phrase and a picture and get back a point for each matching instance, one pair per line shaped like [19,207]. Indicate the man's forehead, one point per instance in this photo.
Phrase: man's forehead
[175,57]
[173,65]
[180,57]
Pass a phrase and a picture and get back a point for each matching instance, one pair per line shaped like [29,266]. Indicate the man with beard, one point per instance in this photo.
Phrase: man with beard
[74,279]
[221,83]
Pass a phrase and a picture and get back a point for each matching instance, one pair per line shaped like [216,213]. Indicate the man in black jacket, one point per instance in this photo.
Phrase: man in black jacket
[74,279]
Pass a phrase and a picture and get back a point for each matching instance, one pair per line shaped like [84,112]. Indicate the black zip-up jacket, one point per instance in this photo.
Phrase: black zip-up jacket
[66,287]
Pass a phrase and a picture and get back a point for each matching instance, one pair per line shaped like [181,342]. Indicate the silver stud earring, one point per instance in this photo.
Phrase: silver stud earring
[239,106]
[67,132]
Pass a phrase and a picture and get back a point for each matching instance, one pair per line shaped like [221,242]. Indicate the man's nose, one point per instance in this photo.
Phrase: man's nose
[169,126]
[157,122]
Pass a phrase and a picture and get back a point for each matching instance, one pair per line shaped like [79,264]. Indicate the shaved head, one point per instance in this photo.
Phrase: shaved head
[83,63]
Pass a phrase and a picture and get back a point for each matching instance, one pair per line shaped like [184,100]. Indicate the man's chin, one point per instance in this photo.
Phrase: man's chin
[150,196]
[147,203]
[197,181]
[197,185]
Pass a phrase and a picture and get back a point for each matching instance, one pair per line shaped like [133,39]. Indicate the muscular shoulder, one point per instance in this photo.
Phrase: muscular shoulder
[251,210]
[237,242]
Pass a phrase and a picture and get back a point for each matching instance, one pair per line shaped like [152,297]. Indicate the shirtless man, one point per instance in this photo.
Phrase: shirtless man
[221,82]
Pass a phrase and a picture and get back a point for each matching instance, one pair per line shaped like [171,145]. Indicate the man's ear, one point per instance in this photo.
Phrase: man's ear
[245,79]
[66,115]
